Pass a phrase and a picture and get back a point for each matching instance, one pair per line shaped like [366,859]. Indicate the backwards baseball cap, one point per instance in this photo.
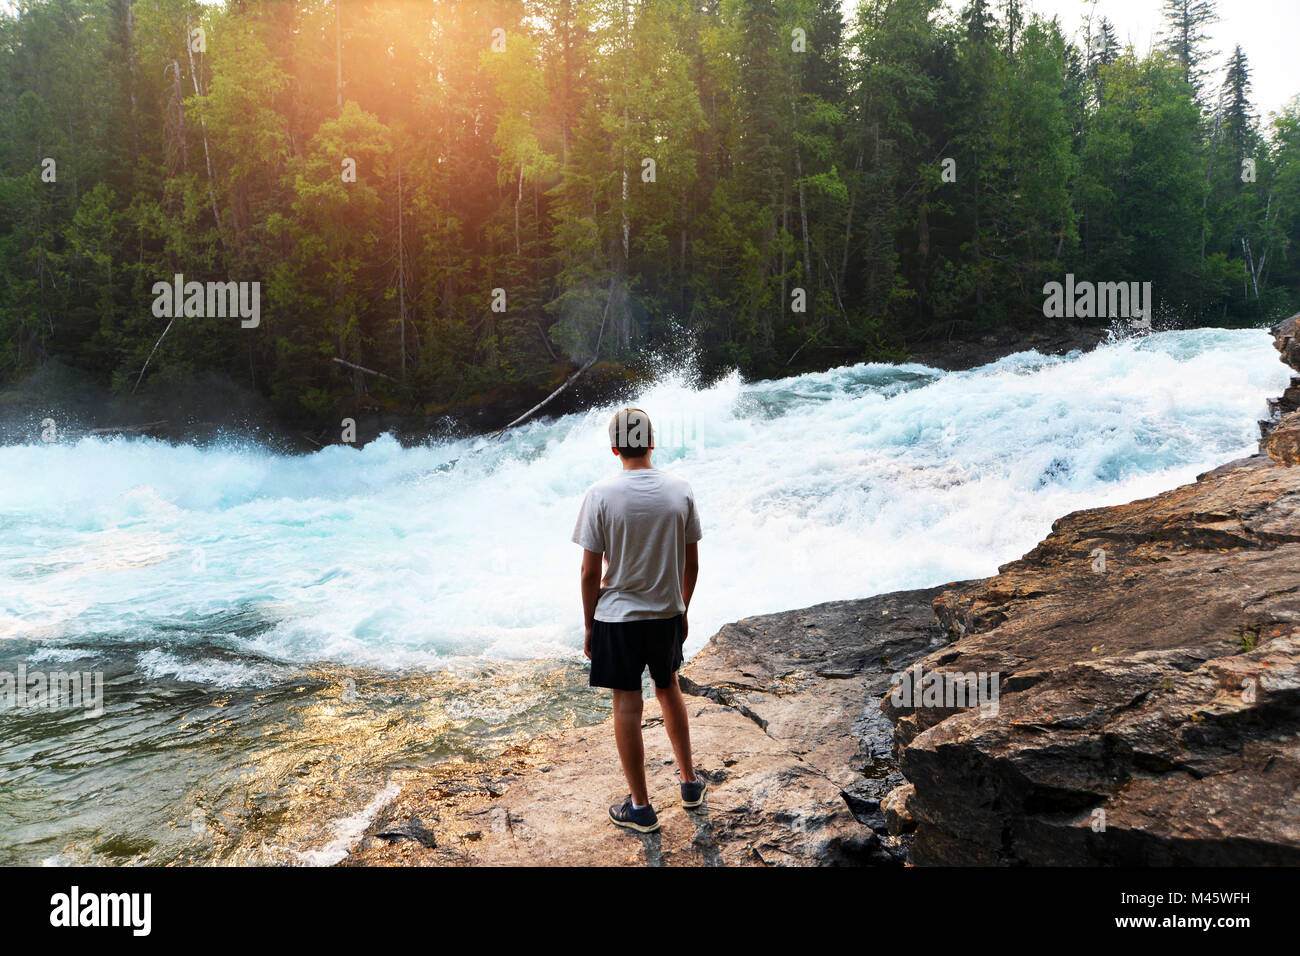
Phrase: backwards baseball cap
[630,430]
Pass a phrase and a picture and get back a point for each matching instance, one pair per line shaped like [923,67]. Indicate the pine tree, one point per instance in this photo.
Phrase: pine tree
[1185,24]
[1234,104]
[1103,50]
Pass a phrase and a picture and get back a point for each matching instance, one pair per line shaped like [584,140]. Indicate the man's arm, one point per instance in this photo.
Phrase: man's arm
[592,570]
[688,580]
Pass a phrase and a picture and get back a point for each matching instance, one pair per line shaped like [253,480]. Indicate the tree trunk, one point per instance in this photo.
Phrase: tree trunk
[401,261]
[803,214]
[203,127]
[130,52]
[1209,167]
[848,222]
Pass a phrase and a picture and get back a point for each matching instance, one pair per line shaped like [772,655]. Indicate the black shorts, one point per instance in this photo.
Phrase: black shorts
[621,650]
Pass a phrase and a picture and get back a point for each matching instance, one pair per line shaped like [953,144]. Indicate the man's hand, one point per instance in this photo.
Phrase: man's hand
[692,572]
[591,572]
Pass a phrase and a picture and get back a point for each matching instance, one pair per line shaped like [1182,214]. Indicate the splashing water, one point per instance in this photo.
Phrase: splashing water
[283,636]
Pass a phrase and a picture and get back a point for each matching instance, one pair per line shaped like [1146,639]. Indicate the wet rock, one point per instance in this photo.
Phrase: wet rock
[412,829]
[1280,434]
[1282,443]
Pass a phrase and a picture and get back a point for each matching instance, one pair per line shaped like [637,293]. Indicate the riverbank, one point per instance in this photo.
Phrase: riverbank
[1148,713]
[783,721]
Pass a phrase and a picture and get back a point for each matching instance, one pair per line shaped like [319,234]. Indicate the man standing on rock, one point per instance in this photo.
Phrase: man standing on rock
[642,524]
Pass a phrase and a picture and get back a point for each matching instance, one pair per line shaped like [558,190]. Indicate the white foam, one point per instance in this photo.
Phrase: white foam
[349,830]
[832,485]
[157,663]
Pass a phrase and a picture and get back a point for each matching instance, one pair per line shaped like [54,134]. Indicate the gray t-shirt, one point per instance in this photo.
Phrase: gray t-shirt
[641,520]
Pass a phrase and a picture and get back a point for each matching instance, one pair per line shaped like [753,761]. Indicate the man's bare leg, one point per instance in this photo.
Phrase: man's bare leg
[678,727]
[631,749]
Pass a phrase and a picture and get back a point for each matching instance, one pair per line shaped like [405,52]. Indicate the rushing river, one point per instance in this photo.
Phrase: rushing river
[283,638]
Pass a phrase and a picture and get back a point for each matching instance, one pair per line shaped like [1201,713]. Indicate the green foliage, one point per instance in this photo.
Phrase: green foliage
[624,173]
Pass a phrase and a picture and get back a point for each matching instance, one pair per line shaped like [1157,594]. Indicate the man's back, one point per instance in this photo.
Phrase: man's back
[644,524]
[641,520]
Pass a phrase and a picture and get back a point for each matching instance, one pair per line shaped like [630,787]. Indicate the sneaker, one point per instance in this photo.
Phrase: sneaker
[693,792]
[643,819]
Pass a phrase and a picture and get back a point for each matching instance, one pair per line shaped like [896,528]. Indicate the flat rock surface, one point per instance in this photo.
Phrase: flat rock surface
[783,721]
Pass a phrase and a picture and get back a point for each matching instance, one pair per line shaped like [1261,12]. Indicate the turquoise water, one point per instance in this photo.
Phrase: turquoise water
[284,638]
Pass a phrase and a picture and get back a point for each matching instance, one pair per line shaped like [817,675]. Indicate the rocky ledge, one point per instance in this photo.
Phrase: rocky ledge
[785,719]
[1146,660]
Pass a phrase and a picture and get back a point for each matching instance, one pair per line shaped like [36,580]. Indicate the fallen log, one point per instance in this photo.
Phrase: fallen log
[570,380]
[362,368]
